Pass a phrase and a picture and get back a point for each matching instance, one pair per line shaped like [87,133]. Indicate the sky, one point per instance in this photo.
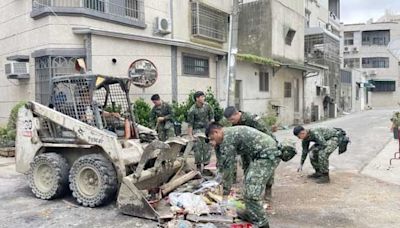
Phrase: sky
[359,11]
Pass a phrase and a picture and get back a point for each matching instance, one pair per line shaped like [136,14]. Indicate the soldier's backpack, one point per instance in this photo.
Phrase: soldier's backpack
[288,150]
[344,140]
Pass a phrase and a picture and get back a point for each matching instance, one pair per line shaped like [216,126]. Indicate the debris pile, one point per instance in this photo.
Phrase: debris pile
[191,201]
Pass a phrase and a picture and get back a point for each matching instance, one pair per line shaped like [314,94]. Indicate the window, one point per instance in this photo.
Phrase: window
[46,68]
[288,90]
[208,22]
[132,8]
[351,63]
[318,90]
[195,65]
[289,36]
[97,5]
[348,38]
[128,12]
[264,81]
[384,86]
[380,37]
[375,62]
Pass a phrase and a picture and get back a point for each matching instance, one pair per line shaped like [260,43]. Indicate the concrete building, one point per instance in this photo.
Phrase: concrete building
[322,48]
[271,35]
[41,39]
[365,48]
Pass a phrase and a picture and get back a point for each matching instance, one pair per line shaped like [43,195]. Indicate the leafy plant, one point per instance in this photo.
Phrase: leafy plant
[181,109]
[114,109]
[258,59]
[12,120]
[270,119]
[8,133]
[142,112]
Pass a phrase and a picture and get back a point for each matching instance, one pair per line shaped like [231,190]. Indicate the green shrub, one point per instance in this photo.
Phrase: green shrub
[8,133]
[181,109]
[12,120]
[270,119]
[142,112]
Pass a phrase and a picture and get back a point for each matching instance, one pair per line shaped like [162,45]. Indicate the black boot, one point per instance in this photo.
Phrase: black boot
[323,179]
[314,175]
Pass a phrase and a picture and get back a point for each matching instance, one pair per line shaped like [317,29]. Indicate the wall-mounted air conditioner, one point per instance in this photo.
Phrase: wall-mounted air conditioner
[17,70]
[163,25]
[355,49]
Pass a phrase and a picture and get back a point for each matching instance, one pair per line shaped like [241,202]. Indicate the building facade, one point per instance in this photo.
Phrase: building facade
[365,49]
[271,33]
[322,48]
[186,42]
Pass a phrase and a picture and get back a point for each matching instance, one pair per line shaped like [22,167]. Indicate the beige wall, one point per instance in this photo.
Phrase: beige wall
[319,16]
[287,114]
[310,94]
[22,35]
[187,83]
[283,19]
[253,100]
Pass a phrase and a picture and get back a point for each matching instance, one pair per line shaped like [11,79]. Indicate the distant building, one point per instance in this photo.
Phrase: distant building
[273,32]
[322,48]
[365,48]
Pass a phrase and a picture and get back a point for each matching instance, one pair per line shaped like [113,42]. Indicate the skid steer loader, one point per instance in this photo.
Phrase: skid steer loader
[86,140]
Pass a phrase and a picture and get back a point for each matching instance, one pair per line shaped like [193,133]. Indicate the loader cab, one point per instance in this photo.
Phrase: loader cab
[100,101]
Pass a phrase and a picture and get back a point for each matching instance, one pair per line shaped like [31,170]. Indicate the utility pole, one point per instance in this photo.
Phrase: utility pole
[233,49]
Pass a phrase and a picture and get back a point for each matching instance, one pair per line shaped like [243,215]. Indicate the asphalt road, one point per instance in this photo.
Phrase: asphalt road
[351,200]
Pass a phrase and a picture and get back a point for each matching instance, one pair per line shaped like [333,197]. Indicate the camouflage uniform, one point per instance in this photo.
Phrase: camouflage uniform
[166,128]
[256,122]
[198,119]
[263,155]
[326,140]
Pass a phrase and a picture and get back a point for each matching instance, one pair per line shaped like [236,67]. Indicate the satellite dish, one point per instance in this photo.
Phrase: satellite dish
[394,48]
[143,73]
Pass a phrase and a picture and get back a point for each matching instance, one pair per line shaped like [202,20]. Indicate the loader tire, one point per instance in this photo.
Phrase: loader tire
[48,176]
[93,180]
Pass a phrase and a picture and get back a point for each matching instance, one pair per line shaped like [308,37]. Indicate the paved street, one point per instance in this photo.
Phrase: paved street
[351,200]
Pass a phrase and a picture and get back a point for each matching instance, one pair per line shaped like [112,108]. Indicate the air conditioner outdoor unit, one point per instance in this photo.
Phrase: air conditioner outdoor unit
[163,25]
[346,48]
[17,70]
[355,49]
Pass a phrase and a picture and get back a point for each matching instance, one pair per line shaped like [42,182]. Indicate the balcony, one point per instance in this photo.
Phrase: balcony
[126,12]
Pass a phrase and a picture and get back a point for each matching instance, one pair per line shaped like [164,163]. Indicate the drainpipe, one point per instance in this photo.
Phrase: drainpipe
[88,49]
[174,57]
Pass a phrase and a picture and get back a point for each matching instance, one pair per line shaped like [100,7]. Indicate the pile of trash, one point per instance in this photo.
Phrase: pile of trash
[198,203]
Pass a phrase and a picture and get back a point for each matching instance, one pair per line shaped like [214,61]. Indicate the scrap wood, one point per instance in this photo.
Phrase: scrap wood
[172,185]
[215,197]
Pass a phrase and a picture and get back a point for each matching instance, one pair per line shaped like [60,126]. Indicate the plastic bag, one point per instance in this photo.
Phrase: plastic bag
[192,203]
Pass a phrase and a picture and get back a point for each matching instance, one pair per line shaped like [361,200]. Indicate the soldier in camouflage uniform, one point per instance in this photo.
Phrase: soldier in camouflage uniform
[238,118]
[264,156]
[161,118]
[199,116]
[326,140]
[395,123]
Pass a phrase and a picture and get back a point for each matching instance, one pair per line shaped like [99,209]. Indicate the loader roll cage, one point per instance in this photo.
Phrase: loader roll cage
[100,101]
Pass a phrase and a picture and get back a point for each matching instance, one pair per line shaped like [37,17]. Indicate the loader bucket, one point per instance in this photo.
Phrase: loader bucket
[132,202]
[131,199]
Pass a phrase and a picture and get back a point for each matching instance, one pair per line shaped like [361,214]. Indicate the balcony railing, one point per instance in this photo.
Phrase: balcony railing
[129,12]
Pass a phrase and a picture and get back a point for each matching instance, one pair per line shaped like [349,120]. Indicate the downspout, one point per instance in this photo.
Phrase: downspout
[88,49]
[174,58]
